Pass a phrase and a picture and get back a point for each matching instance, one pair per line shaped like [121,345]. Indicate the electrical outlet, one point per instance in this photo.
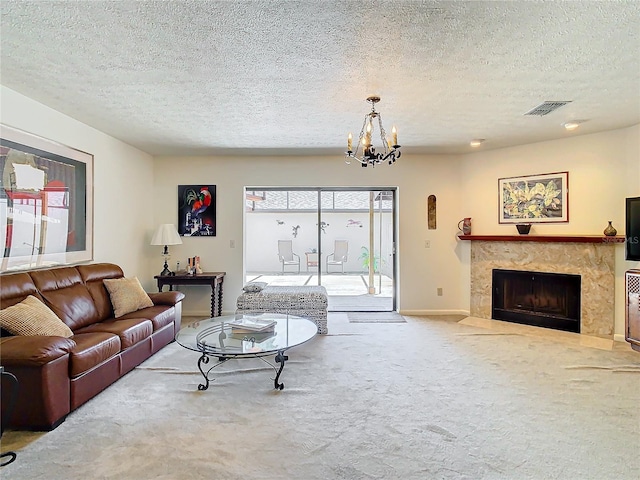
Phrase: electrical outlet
[232,243]
[439,291]
[427,244]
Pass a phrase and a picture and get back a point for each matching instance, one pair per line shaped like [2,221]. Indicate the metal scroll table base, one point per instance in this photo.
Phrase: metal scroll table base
[12,402]
[280,358]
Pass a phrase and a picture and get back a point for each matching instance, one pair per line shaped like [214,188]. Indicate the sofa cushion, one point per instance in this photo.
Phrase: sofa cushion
[127,295]
[160,315]
[63,291]
[32,317]
[15,288]
[91,350]
[93,275]
[130,330]
[34,350]
[166,298]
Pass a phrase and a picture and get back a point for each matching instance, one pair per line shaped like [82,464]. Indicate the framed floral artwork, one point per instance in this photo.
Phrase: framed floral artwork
[534,198]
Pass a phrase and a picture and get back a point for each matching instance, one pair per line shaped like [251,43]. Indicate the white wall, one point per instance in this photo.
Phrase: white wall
[600,170]
[422,270]
[123,178]
[603,168]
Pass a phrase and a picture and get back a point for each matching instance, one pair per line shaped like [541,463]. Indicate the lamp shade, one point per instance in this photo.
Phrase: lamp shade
[166,234]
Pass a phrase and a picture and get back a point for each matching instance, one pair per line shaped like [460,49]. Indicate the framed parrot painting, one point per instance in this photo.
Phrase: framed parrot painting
[197,210]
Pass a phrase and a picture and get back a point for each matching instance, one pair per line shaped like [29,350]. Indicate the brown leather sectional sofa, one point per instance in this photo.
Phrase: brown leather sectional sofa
[56,375]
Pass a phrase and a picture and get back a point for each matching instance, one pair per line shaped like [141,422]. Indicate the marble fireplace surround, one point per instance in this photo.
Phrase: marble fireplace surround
[592,260]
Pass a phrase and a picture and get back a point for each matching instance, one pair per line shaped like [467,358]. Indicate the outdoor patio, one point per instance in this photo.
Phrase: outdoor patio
[347,292]
[286,243]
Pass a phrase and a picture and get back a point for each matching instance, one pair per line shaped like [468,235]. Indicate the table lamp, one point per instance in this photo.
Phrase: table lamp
[166,235]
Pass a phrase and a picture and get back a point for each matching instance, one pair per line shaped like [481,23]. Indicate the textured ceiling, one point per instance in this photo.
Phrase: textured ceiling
[289,77]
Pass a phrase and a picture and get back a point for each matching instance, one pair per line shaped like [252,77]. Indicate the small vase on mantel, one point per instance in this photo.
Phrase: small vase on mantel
[610,231]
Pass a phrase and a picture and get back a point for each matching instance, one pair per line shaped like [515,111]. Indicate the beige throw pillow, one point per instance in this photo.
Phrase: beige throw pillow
[32,317]
[127,295]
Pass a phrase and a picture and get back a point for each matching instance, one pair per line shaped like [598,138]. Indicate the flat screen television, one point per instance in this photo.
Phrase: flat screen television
[632,229]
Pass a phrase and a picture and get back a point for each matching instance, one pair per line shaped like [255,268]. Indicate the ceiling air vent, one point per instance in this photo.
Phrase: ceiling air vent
[546,107]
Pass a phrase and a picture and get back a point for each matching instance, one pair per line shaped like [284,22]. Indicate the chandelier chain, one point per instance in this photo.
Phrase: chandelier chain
[383,135]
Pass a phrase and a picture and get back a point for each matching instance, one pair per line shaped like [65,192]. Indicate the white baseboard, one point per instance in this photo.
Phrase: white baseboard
[198,313]
[417,313]
[618,337]
[426,313]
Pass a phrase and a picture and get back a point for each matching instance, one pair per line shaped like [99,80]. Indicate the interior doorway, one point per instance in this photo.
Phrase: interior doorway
[341,238]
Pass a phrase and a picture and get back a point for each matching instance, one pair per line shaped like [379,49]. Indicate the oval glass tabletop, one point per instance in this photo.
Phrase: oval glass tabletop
[243,334]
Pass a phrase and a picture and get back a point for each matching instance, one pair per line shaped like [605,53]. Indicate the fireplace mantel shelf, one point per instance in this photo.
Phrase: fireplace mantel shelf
[546,238]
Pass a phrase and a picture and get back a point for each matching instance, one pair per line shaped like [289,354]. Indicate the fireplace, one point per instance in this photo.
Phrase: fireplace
[594,261]
[540,299]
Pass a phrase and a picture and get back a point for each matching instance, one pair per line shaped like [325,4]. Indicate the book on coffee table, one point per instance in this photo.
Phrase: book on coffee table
[252,325]
[257,337]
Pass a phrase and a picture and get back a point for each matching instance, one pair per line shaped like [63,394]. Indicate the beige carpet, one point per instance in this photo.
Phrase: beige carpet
[426,399]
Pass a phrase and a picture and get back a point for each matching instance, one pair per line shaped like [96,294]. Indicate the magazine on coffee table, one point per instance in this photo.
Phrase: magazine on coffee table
[252,325]
[253,337]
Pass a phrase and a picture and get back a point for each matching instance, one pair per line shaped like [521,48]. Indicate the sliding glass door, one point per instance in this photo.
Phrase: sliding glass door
[341,238]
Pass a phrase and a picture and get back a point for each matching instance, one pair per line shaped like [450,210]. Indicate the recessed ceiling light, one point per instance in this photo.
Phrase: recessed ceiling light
[476,142]
[573,124]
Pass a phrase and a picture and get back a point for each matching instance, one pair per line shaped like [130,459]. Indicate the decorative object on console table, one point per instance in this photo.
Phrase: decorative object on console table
[212,279]
[534,198]
[523,228]
[610,231]
[166,235]
[49,192]
[197,210]
[193,266]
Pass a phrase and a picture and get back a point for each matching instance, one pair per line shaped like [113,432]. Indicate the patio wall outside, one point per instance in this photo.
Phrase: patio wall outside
[263,230]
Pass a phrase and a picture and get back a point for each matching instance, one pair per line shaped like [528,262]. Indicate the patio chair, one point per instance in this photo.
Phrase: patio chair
[340,251]
[286,255]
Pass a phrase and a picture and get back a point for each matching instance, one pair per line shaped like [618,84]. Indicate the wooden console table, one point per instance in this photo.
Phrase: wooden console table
[213,279]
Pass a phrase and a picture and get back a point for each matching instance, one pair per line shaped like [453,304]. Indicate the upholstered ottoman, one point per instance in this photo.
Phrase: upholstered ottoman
[305,301]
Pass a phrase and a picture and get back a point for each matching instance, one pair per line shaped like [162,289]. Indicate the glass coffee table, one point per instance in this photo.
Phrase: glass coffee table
[219,338]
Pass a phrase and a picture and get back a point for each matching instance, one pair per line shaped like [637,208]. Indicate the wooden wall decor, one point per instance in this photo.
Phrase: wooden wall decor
[431,212]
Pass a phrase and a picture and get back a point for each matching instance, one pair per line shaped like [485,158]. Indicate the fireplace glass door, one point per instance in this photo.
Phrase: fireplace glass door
[534,298]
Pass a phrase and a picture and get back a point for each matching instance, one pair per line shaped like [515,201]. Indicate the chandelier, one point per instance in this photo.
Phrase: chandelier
[390,148]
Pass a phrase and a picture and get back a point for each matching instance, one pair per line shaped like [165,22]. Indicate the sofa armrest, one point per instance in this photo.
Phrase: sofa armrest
[166,298]
[33,350]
